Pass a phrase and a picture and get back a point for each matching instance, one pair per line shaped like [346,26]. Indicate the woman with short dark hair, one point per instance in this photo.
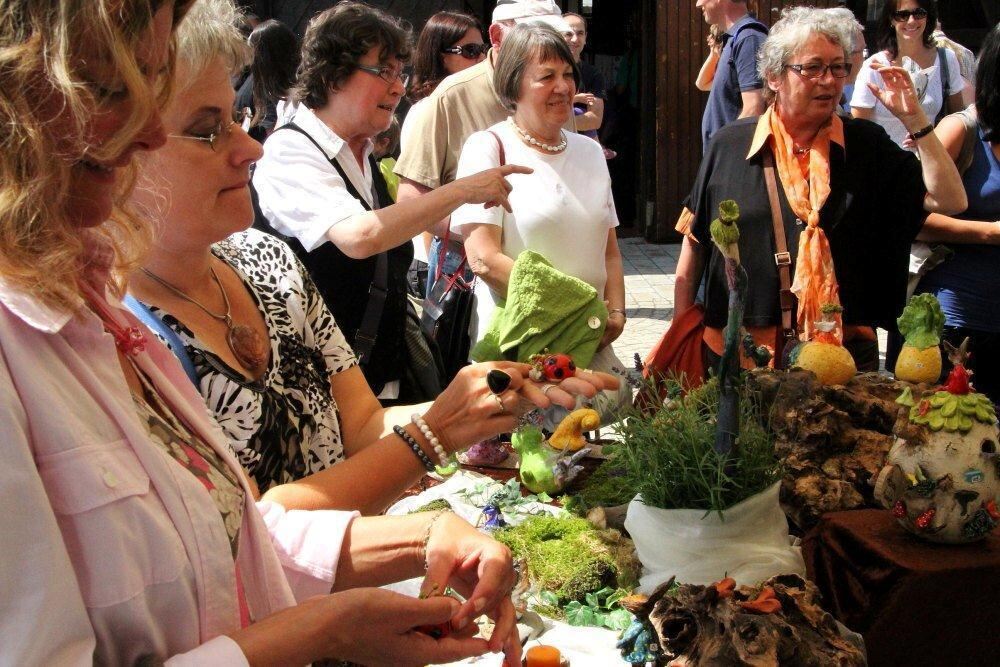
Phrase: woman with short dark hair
[318,185]
[905,34]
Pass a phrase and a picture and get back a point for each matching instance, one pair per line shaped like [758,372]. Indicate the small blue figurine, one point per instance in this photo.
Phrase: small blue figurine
[638,644]
[493,517]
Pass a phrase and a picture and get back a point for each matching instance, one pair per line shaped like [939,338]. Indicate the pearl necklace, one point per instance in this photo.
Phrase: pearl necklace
[527,138]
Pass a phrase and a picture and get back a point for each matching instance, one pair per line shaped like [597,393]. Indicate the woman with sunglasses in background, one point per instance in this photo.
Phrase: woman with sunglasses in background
[450,42]
[905,33]
[318,185]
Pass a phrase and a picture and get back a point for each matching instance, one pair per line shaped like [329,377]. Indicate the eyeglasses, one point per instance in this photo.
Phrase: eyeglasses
[903,15]
[468,51]
[388,74]
[222,131]
[818,71]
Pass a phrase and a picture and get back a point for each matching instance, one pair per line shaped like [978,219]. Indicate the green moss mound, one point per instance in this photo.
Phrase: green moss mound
[607,486]
[569,558]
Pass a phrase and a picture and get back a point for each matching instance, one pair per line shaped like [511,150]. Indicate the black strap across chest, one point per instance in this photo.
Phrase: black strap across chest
[367,332]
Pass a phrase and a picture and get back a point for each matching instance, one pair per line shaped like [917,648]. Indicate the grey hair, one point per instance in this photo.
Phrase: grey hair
[850,23]
[210,30]
[525,42]
[790,33]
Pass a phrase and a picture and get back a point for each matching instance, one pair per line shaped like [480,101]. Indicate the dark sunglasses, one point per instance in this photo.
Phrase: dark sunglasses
[903,15]
[469,51]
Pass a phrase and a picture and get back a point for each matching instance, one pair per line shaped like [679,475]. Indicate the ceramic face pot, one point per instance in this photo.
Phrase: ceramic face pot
[942,476]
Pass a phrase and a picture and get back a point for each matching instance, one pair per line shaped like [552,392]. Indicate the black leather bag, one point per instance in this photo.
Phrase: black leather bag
[446,317]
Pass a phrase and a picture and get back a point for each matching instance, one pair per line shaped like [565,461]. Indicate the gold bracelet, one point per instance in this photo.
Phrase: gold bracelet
[617,310]
[427,534]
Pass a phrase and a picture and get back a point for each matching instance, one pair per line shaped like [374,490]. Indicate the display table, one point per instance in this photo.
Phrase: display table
[916,603]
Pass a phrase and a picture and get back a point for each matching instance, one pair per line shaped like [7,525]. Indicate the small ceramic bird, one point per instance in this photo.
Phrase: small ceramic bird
[543,470]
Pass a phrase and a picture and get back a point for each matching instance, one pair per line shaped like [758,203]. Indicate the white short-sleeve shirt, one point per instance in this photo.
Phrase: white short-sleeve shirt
[929,91]
[562,211]
[300,192]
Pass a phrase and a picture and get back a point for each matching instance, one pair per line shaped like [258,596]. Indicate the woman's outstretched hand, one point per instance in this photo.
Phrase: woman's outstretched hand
[467,411]
[899,96]
[490,187]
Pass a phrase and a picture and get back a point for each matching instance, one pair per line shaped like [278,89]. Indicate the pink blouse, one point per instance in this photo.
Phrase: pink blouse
[111,550]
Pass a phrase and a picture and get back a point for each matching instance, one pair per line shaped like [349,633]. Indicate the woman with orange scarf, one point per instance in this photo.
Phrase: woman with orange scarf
[850,200]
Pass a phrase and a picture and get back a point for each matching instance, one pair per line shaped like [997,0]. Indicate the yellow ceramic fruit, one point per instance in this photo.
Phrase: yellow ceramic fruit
[916,365]
[921,324]
[831,363]
[569,434]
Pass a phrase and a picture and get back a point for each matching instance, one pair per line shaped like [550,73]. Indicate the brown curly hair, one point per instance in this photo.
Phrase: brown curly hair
[335,42]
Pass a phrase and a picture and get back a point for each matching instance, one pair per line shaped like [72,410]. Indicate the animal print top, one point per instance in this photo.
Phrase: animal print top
[285,425]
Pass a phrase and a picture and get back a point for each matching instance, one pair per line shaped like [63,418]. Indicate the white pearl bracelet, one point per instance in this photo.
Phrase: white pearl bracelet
[445,461]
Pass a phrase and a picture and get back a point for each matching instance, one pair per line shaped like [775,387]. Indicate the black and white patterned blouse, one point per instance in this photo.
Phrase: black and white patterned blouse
[285,425]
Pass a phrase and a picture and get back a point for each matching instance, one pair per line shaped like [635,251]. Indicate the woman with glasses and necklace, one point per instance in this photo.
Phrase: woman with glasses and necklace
[851,201]
[319,188]
[906,35]
[270,362]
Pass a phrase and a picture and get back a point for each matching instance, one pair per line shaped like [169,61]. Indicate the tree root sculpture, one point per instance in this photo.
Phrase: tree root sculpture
[778,622]
[833,439]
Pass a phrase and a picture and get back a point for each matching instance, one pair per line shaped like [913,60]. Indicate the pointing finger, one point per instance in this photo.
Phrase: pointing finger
[508,169]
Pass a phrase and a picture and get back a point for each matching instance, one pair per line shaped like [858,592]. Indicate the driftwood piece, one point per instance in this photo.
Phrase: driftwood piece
[833,440]
[717,625]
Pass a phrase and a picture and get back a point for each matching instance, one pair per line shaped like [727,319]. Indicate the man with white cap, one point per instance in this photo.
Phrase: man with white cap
[463,103]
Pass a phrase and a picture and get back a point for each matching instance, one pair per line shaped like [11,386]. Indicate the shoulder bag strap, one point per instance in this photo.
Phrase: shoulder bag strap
[942,54]
[378,291]
[444,245]
[158,326]
[782,258]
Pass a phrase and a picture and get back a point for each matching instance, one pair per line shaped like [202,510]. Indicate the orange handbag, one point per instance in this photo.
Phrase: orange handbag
[679,352]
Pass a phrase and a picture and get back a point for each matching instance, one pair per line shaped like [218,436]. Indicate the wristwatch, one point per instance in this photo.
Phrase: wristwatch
[919,134]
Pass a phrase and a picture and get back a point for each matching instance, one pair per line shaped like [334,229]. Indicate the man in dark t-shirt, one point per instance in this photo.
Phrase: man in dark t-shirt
[737,89]
[590,98]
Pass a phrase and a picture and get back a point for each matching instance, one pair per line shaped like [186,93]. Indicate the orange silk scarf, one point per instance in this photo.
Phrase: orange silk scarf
[807,185]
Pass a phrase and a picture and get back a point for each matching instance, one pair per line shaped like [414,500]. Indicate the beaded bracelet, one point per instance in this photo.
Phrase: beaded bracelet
[448,463]
[415,446]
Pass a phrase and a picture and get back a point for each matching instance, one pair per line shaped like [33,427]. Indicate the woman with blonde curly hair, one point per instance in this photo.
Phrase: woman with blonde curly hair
[134,536]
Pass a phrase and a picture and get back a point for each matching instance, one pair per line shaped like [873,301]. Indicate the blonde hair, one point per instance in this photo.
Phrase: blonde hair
[41,85]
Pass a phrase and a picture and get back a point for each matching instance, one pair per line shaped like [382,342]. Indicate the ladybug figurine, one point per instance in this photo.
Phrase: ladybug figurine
[551,367]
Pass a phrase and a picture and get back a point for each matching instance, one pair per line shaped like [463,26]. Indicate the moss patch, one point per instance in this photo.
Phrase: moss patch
[570,558]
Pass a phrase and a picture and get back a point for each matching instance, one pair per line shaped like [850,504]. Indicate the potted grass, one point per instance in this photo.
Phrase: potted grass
[704,470]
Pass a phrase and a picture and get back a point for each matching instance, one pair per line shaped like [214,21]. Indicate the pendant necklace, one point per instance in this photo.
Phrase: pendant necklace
[527,138]
[244,342]
[800,151]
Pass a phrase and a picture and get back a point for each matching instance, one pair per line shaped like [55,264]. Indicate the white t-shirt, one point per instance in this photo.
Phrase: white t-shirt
[927,82]
[562,211]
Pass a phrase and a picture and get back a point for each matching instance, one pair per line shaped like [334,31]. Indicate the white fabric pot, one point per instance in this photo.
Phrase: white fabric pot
[750,543]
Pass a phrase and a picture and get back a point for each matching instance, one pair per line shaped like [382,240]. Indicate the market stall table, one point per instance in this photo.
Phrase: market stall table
[915,602]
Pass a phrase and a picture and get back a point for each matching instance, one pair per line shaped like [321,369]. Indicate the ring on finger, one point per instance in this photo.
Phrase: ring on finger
[499,403]
[546,388]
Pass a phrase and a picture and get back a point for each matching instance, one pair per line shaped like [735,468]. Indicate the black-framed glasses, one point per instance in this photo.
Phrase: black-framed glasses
[903,15]
[818,70]
[470,51]
[222,130]
[388,74]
